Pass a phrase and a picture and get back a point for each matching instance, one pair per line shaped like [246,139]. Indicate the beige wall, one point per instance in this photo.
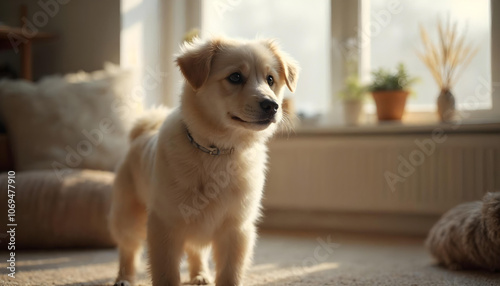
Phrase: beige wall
[88,30]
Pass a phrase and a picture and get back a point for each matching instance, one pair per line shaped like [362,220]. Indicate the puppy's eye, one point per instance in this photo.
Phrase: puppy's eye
[270,80]
[235,78]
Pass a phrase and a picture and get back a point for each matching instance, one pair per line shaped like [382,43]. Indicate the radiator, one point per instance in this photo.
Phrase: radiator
[347,181]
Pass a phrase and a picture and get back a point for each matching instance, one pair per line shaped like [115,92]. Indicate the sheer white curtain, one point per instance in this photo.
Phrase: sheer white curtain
[152,31]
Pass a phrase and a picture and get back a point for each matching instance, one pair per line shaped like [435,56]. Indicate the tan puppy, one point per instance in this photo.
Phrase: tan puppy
[197,181]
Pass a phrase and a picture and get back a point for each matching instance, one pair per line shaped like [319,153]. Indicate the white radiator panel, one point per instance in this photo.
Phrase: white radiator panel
[346,173]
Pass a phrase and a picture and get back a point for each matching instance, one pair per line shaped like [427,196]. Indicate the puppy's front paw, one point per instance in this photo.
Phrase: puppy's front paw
[200,279]
[122,283]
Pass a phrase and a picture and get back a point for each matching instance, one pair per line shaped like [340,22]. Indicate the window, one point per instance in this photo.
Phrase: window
[316,32]
[303,29]
[394,37]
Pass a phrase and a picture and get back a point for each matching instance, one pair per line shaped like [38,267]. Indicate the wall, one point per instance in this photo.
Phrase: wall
[392,180]
[88,35]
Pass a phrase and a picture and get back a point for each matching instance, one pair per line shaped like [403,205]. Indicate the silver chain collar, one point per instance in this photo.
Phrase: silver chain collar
[212,150]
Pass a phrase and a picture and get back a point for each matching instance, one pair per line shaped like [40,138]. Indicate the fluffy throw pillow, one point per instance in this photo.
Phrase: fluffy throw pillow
[76,121]
[468,236]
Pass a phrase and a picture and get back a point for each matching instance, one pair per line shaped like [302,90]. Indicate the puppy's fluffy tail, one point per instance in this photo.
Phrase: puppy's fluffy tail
[151,120]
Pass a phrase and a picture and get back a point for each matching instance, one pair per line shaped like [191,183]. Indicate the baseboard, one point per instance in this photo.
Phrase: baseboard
[377,223]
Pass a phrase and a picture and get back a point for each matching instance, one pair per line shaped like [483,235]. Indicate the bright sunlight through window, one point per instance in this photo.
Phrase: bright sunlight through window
[395,38]
[303,29]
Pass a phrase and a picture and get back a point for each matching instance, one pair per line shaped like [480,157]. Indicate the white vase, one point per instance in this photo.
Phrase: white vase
[352,111]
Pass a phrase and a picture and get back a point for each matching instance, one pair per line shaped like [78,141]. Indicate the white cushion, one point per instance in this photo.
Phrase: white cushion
[76,121]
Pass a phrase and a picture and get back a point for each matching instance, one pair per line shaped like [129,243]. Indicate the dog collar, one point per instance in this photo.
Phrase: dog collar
[212,150]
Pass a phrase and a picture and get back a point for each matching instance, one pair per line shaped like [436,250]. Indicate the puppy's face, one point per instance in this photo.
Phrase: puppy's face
[239,84]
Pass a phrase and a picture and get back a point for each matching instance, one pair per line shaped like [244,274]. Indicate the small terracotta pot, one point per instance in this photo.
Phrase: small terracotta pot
[288,105]
[390,104]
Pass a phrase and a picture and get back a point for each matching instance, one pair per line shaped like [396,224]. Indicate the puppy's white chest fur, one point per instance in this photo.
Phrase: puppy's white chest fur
[202,192]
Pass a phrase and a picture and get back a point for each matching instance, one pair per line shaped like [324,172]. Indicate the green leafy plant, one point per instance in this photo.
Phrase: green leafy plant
[384,79]
[353,90]
[191,35]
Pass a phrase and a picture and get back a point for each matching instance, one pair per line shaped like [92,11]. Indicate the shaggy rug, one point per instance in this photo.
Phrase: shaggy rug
[280,259]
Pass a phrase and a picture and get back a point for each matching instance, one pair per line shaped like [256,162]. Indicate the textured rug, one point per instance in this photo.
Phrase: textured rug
[280,259]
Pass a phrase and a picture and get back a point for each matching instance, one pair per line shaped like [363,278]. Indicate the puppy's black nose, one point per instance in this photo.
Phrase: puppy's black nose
[270,107]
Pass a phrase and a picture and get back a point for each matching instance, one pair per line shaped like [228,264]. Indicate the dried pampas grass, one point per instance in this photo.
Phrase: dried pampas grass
[448,58]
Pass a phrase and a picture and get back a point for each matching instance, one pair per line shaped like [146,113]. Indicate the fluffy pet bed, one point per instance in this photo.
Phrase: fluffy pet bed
[468,236]
[58,213]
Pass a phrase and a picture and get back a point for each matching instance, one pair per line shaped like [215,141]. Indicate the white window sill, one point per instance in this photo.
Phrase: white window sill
[394,127]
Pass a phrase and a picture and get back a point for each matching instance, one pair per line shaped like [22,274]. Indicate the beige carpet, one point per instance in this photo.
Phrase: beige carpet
[280,259]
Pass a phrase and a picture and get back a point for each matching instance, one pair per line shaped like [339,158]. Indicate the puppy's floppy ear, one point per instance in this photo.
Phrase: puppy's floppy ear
[289,66]
[195,60]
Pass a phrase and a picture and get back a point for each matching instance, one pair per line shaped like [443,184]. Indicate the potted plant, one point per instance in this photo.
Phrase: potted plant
[354,92]
[390,91]
[446,60]
[352,97]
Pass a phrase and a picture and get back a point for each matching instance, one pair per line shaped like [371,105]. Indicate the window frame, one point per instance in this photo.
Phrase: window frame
[345,18]
[493,114]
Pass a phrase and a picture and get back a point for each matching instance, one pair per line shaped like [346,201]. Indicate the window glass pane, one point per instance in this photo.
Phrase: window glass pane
[302,28]
[395,37]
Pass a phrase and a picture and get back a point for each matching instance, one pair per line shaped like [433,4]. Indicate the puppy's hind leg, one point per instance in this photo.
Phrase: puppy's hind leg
[198,265]
[128,226]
